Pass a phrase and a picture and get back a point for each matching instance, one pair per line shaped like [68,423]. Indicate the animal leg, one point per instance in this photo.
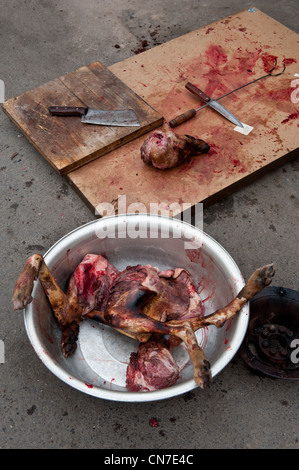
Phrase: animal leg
[69,338]
[260,279]
[24,285]
[36,268]
[65,307]
[100,317]
[201,366]
[182,329]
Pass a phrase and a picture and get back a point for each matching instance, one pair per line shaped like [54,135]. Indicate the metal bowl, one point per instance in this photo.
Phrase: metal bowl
[99,364]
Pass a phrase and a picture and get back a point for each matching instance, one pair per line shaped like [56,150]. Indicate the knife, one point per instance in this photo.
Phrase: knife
[192,112]
[213,104]
[118,117]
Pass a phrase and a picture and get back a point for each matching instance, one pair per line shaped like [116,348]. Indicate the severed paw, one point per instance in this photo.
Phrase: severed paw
[69,339]
[264,276]
[260,279]
[203,376]
[24,285]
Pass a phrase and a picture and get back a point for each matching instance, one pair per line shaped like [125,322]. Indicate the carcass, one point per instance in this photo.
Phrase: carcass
[88,289]
[167,149]
[160,309]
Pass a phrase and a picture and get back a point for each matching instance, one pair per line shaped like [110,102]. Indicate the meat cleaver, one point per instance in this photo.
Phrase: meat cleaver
[118,117]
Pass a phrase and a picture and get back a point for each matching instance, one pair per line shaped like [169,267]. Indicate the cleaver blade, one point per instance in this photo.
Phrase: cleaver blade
[118,117]
[103,117]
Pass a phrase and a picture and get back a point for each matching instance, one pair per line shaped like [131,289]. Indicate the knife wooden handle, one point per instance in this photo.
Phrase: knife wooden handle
[67,110]
[182,118]
[196,91]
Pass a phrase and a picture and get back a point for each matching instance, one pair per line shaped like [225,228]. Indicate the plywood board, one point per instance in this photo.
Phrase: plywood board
[65,142]
[217,58]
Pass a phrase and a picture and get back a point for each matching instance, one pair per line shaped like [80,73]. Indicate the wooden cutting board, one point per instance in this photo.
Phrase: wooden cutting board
[217,58]
[65,142]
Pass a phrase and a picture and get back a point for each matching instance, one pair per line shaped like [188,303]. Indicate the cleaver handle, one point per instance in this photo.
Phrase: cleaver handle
[67,110]
[196,91]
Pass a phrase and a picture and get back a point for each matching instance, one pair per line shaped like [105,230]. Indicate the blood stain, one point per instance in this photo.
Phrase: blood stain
[268,61]
[216,55]
[289,61]
[290,117]
[213,150]
[153,422]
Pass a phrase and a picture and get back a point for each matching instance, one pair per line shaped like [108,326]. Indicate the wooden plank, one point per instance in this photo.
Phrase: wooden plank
[66,143]
[217,58]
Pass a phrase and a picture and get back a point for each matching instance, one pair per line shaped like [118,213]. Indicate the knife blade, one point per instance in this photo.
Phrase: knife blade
[118,117]
[213,104]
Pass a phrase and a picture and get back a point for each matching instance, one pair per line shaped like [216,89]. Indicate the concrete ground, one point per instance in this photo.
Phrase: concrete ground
[41,40]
